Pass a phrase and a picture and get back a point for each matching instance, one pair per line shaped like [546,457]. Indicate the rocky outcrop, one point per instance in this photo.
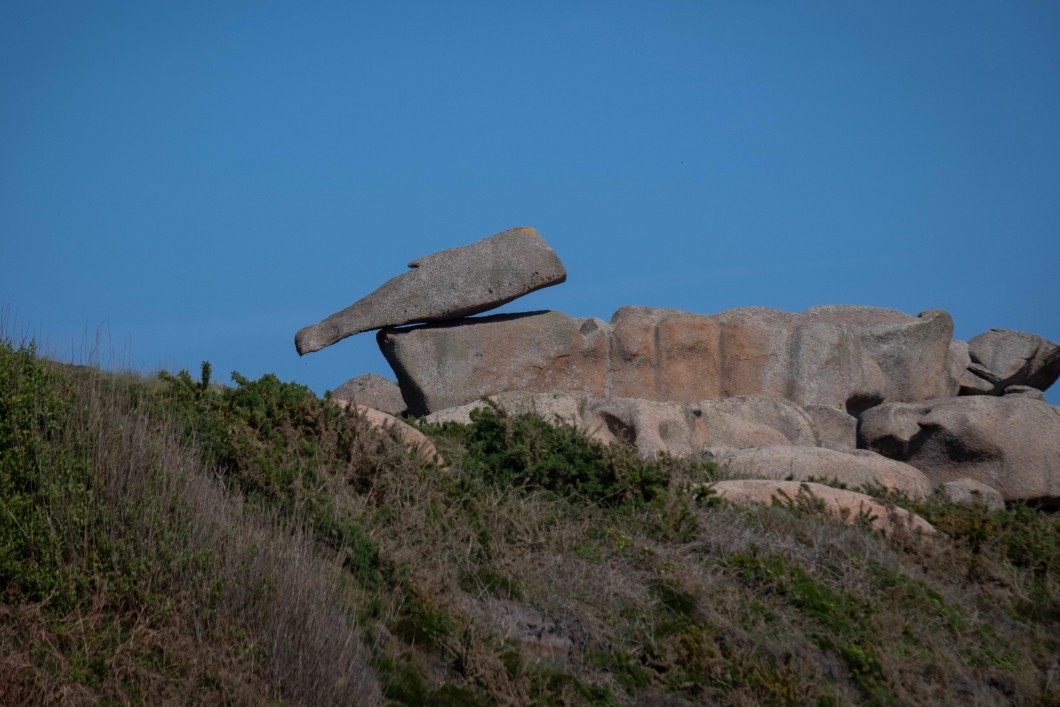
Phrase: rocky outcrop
[447,285]
[1010,443]
[847,356]
[848,506]
[774,394]
[855,469]
[372,391]
[1001,358]
[653,427]
[850,358]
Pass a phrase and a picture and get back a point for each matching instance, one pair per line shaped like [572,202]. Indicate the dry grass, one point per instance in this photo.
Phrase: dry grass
[321,563]
[180,591]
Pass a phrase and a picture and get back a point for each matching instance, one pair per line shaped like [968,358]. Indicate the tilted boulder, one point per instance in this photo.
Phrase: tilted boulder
[855,469]
[847,357]
[1001,358]
[447,285]
[373,391]
[848,506]
[1009,443]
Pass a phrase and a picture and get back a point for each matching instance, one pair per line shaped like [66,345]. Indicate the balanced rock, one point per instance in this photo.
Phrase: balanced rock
[1002,357]
[855,469]
[848,506]
[848,357]
[1009,443]
[372,391]
[447,285]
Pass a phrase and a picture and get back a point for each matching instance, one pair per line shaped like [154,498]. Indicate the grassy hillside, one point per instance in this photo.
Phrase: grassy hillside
[170,540]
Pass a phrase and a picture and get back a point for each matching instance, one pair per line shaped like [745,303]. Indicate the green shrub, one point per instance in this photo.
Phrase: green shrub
[525,451]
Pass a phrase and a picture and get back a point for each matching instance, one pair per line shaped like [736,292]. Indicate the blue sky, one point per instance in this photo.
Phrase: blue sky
[200,180]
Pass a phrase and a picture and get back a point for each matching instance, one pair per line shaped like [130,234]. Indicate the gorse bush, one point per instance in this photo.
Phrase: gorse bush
[39,474]
[525,451]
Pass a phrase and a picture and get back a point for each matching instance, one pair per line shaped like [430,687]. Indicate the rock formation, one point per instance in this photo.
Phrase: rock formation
[1009,443]
[849,506]
[855,469]
[447,285]
[653,427]
[849,358]
[773,396]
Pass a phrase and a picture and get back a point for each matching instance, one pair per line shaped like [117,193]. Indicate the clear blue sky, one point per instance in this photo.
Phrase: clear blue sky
[198,180]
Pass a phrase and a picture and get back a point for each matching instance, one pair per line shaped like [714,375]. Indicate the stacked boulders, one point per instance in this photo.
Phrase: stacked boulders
[866,396]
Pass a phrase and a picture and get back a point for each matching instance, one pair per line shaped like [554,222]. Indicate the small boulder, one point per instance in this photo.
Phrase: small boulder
[372,391]
[409,435]
[1004,358]
[855,469]
[1009,443]
[971,491]
[848,506]
[447,285]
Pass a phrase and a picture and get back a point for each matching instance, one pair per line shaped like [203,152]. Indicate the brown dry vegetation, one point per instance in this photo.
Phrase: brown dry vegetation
[173,541]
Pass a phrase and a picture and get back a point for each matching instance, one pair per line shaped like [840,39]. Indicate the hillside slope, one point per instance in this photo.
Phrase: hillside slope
[170,540]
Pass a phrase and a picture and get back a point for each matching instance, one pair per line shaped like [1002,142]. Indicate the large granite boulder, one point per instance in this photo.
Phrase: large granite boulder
[447,285]
[848,357]
[848,506]
[440,366]
[1001,358]
[1010,443]
[856,469]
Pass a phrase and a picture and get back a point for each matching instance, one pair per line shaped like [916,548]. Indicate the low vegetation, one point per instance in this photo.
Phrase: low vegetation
[168,539]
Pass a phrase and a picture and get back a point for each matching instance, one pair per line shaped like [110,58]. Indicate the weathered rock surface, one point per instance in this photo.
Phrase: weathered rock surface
[1002,357]
[653,427]
[855,469]
[409,435]
[683,429]
[846,357]
[1009,443]
[447,285]
[848,506]
[972,492]
[440,366]
[838,430]
[372,391]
